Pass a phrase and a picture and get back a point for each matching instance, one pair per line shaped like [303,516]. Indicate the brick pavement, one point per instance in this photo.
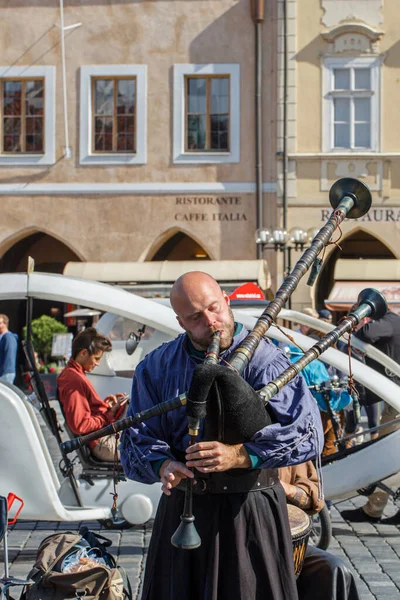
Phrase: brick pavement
[371,550]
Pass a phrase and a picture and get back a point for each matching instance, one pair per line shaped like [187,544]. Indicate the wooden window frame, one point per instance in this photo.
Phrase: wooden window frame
[208,79]
[329,64]
[114,78]
[351,94]
[23,151]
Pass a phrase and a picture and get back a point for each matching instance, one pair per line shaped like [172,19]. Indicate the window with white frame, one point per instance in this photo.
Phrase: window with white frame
[206,113]
[23,116]
[351,105]
[113,114]
[27,115]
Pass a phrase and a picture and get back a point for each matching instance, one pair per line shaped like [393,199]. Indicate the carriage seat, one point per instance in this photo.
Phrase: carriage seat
[92,467]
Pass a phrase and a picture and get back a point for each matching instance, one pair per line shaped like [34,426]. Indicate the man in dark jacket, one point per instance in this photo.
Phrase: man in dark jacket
[8,351]
[384,334]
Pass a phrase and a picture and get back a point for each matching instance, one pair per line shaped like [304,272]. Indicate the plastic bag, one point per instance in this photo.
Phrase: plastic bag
[82,560]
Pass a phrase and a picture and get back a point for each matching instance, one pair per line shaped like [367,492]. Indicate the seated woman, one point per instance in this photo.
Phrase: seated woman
[83,408]
[323,576]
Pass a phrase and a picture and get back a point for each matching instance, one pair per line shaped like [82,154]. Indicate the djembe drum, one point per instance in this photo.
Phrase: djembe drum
[300,529]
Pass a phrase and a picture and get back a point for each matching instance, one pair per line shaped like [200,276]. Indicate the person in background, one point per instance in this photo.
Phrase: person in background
[325,315]
[384,334]
[366,399]
[323,576]
[84,410]
[350,420]
[311,312]
[8,351]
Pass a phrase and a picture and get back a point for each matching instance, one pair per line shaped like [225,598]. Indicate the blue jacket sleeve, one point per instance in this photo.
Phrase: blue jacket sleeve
[142,446]
[297,435]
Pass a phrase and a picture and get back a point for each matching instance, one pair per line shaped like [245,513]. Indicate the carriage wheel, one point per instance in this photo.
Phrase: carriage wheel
[117,524]
[321,532]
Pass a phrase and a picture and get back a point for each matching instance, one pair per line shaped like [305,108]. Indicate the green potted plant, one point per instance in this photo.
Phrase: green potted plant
[43,330]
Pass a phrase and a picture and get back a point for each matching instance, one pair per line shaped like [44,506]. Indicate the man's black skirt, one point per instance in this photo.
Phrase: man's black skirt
[246,551]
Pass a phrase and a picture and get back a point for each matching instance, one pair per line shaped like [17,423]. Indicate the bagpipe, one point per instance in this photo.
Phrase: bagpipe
[215,388]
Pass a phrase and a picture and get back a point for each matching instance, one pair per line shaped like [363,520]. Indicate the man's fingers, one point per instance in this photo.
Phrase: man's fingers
[211,462]
[203,454]
[186,473]
[208,469]
[202,446]
[180,469]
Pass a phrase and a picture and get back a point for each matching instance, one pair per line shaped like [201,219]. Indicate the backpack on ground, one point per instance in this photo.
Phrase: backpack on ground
[61,551]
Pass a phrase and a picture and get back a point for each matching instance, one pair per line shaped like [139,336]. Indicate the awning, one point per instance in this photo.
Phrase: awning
[345,293]
[145,274]
[367,269]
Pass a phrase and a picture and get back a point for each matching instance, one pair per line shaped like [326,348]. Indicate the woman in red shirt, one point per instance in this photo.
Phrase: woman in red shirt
[83,408]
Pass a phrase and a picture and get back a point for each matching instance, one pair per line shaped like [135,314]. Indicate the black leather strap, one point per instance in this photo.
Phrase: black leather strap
[232,482]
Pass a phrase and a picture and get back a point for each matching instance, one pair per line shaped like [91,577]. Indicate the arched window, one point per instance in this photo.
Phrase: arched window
[181,246]
[359,245]
[50,254]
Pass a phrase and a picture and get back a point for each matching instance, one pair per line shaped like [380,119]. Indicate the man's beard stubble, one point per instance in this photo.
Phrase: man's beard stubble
[226,337]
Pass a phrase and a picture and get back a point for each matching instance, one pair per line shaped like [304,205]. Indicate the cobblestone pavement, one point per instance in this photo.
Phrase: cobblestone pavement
[372,551]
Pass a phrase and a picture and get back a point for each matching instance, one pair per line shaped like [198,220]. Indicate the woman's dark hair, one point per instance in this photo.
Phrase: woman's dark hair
[91,340]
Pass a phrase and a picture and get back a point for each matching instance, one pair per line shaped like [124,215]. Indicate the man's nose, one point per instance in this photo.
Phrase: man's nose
[210,318]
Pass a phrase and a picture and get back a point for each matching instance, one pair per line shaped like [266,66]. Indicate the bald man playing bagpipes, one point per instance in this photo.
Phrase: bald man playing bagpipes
[239,505]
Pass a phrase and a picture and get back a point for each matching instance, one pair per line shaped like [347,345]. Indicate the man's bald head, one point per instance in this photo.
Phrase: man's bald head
[202,308]
[189,286]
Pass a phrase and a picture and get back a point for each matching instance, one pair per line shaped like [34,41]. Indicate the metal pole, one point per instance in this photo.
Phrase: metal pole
[259,173]
[67,149]
[257,7]
[284,131]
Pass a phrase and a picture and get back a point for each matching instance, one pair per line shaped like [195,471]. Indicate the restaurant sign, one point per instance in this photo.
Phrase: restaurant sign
[223,208]
[374,215]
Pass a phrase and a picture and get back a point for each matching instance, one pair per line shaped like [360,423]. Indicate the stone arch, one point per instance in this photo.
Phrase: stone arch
[49,252]
[16,237]
[358,243]
[177,244]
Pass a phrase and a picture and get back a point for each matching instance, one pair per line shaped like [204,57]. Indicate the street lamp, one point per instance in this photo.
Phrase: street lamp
[280,240]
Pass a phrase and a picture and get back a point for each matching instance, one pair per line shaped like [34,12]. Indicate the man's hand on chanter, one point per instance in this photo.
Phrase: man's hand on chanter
[215,457]
[171,474]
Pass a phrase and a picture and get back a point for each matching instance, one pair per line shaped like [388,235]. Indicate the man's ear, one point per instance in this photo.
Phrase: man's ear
[226,297]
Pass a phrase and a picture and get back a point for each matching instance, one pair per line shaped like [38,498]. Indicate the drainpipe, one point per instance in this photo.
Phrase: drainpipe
[284,129]
[258,18]
[67,148]
[63,29]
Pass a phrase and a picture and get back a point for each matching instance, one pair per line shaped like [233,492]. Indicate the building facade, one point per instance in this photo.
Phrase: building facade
[343,73]
[129,131]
